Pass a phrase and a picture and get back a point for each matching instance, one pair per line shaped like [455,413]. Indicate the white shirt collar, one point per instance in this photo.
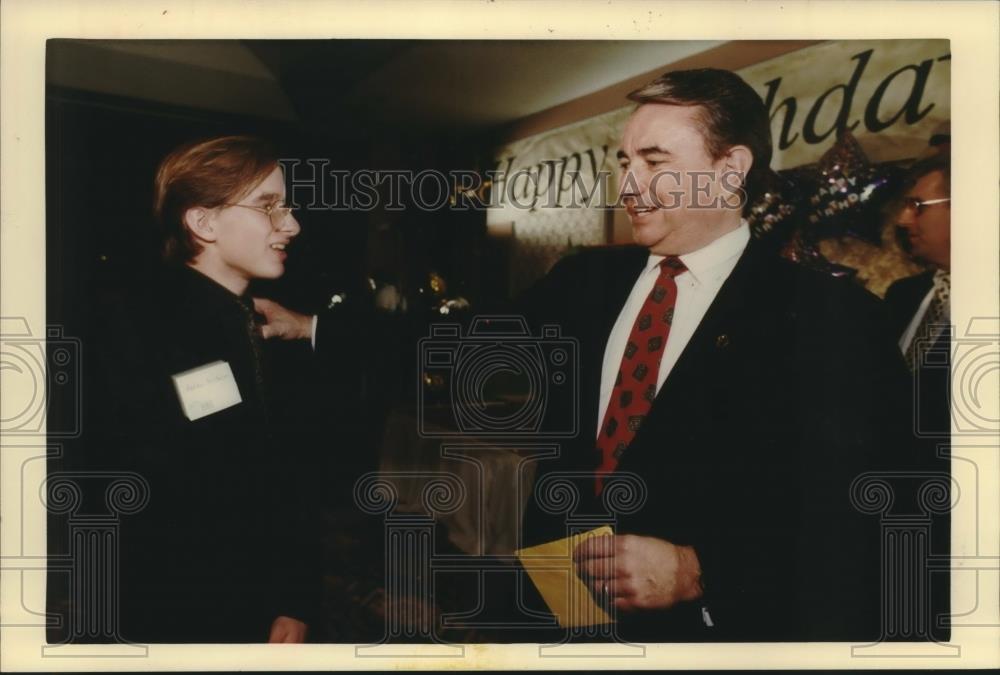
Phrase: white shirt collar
[707,259]
[941,277]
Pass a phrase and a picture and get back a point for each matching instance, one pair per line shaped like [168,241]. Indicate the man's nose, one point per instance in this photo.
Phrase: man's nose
[632,184]
[907,217]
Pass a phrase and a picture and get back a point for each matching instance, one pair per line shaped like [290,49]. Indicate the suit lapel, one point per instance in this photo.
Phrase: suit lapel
[904,300]
[730,320]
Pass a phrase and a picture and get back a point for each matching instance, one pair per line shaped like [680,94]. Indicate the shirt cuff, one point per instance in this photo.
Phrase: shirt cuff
[312,335]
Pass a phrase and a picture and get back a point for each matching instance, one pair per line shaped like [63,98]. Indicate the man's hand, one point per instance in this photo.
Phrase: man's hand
[287,630]
[283,323]
[638,572]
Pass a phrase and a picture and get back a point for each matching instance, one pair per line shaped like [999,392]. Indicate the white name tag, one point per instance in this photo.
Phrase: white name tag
[207,389]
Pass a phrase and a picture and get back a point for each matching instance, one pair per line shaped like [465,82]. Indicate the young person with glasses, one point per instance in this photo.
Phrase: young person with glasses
[194,402]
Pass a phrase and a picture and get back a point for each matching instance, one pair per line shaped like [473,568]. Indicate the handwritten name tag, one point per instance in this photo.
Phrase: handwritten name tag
[206,389]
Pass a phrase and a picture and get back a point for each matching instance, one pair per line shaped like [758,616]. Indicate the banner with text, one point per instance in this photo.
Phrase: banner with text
[890,94]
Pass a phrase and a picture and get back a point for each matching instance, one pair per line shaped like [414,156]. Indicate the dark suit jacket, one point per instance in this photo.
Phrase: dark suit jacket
[226,543]
[903,298]
[790,387]
[931,420]
[931,378]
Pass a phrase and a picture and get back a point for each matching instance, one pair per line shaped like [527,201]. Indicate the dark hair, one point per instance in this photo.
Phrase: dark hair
[937,162]
[205,173]
[730,110]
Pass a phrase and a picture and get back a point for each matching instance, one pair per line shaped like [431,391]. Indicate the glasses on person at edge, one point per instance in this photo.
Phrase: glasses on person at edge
[919,205]
[275,212]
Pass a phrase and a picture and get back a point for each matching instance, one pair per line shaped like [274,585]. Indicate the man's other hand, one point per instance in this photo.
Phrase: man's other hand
[638,572]
[281,322]
[287,630]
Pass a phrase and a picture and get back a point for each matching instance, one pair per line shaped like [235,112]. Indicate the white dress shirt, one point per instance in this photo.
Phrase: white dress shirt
[707,269]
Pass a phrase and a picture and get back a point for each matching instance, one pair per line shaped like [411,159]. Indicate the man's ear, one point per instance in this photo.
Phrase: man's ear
[736,165]
[738,160]
[198,220]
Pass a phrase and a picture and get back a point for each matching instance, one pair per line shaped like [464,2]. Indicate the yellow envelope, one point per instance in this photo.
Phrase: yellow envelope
[551,568]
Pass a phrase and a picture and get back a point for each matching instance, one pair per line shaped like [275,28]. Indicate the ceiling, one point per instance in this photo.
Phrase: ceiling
[423,83]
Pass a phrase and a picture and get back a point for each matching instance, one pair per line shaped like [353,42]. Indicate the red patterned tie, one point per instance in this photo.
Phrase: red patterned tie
[635,384]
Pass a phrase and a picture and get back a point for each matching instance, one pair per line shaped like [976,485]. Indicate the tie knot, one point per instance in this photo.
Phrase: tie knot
[672,265]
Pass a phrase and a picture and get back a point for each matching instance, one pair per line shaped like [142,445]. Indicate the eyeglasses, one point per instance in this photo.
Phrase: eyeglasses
[275,212]
[919,205]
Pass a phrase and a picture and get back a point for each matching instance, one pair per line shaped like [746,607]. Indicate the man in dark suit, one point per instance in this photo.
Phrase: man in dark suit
[919,310]
[186,394]
[743,393]
[767,390]
[919,306]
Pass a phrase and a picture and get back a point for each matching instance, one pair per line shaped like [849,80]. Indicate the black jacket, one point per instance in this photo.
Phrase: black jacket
[931,377]
[790,388]
[932,404]
[226,543]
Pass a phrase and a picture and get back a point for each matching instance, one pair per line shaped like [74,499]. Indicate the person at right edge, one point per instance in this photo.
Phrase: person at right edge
[746,392]
[920,306]
[919,309]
